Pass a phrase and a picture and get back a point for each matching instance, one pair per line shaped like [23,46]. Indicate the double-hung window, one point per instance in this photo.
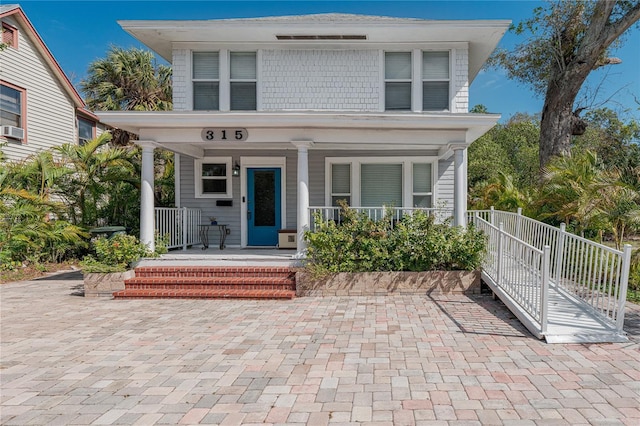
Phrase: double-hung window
[213,177]
[85,131]
[242,81]
[340,183]
[206,81]
[397,81]
[422,185]
[11,103]
[435,81]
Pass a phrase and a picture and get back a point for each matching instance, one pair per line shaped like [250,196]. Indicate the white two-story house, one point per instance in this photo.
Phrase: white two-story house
[275,115]
[39,106]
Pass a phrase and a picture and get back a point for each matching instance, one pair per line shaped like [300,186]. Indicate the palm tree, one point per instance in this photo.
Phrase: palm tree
[503,194]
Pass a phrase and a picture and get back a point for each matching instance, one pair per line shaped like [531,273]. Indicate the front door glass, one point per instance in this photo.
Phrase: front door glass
[263,206]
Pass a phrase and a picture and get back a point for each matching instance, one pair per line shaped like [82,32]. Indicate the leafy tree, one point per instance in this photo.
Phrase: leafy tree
[502,193]
[567,41]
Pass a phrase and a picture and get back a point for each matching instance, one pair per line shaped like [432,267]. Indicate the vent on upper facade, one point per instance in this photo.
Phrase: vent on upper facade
[321,37]
[12,132]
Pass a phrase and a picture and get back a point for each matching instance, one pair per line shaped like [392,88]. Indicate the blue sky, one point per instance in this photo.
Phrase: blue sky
[79,32]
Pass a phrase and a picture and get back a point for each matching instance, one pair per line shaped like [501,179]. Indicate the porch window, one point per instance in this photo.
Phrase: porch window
[435,81]
[243,81]
[397,81]
[422,185]
[381,185]
[85,131]
[213,177]
[340,183]
[206,81]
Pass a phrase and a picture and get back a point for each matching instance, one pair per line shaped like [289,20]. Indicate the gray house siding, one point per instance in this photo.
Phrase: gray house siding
[232,215]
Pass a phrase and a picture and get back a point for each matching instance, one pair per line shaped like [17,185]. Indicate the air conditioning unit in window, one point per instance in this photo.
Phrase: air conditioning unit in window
[12,132]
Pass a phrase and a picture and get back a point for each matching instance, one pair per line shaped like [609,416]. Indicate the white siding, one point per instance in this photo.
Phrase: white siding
[181,79]
[461,81]
[50,116]
[445,183]
[320,80]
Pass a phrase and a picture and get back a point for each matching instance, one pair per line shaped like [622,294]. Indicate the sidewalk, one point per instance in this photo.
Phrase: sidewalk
[398,360]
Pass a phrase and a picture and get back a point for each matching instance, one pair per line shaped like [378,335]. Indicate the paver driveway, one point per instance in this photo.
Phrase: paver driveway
[351,360]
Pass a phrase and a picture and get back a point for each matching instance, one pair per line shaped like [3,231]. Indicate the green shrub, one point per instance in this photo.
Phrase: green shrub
[415,243]
[115,254]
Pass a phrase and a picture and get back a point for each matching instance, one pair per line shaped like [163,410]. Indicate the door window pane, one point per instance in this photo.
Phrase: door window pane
[265,198]
[381,185]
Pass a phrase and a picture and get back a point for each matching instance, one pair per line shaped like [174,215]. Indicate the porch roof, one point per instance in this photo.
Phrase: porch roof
[271,130]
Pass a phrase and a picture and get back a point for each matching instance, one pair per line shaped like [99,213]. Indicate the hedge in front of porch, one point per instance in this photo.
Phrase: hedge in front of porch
[415,243]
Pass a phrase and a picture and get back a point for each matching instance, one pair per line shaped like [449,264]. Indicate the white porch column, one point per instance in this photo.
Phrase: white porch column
[459,186]
[147,204]
[303,190]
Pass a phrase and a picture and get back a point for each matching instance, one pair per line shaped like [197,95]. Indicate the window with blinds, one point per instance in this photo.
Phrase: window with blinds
[243,81]
[435,81]
[206,81]
[85,131]
[380,185]
[422,185]
[10,106]
[397,81]
[340,183]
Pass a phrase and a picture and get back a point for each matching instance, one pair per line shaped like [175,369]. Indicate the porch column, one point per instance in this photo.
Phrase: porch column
[303,191]
[459,186]
[147,207]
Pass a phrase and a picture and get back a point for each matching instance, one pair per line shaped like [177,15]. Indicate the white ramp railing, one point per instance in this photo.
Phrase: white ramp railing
[596,274]
[517,269]
[179,225]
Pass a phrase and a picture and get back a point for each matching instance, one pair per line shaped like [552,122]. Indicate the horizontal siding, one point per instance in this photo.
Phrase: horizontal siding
[444,195]
[50,112]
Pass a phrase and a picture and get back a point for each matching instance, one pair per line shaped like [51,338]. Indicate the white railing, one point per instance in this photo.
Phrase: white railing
[179,225]
[519,269]
[596,274]
[393,214]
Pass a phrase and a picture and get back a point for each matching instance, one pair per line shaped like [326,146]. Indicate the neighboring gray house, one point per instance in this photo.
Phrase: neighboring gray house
[275,115]
[39,107]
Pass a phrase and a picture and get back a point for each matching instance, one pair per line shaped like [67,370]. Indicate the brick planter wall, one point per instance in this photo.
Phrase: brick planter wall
[103,285]
[383,283]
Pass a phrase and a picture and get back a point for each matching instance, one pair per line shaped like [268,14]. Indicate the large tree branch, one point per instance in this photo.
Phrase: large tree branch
[615,29]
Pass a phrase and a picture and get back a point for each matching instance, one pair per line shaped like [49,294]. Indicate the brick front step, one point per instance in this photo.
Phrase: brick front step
[190,282]
[205,294]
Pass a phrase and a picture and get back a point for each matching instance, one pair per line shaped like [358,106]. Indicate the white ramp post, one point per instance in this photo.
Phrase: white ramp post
[624,282]
[185,228]
[560,253]
[544,291]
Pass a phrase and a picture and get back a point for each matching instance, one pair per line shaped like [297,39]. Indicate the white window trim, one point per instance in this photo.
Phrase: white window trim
[197,167]
[407,176]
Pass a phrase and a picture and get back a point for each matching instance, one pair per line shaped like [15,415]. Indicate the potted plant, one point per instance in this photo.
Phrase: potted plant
[112,263]
[214,220]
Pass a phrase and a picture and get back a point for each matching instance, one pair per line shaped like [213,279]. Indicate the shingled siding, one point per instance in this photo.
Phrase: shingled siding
[231,215]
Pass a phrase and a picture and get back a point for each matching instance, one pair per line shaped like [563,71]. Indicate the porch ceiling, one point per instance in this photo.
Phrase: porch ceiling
[181,131]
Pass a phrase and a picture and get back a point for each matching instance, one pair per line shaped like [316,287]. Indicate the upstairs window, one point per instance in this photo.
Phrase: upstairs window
[206,81]
[243,81]
[11,103]
[397,81]
[435,81]
[85,131]
[9,35]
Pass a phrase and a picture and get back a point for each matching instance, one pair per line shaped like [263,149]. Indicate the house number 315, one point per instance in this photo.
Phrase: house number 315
[211,134]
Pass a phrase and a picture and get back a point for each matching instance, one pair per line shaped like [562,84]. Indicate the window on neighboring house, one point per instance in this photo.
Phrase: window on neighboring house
[206,81]
[380,185]
[85,131]
[422,185]
[340,183]
[435,81]
[213,177]
[243,81]
[11,103]
[397,81]
[9,35]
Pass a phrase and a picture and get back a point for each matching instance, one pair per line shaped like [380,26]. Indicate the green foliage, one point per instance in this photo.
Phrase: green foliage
[115,254]
[415,243]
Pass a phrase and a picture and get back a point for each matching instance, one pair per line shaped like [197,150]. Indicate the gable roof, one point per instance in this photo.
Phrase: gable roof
[327,30]
[16,12]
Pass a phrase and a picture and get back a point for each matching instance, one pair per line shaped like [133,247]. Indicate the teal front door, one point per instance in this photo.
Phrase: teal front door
[263,206]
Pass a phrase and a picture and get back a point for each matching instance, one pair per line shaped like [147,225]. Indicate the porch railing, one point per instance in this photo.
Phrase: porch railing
[334,214]
[596,274]
[178,225]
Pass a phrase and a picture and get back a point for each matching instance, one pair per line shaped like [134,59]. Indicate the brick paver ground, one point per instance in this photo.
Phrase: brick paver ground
[399,360]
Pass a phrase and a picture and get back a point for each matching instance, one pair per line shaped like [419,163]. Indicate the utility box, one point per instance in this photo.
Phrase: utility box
[287,239]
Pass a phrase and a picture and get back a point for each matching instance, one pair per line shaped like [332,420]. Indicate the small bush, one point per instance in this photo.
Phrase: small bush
[415,243]
[115,254]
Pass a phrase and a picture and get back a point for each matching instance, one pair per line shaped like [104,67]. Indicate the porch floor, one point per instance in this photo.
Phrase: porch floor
[213,256]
